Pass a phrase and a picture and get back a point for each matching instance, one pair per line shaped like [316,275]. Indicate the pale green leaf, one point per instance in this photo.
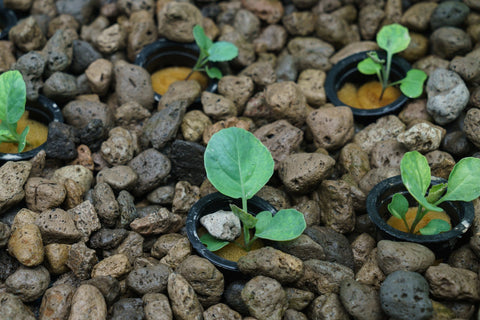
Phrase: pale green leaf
[213,72]
[393,38]
[463,182]
[222,51]
[435,226]
[22,140]
[212,243]
[398,207]
[203,42]
[286,224]
[412,84]
[436,192]
[237,163]
[12,96]
[247,219]
[368,66]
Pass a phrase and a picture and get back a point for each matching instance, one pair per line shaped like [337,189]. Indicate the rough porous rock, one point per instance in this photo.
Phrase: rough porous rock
[221,311]
[133,83]
[57,225]
[223,225]
[299,23]
[385,128]
[310,53]
[56,302]
[272,263]
[336,206]
[448,42]
[88,302]
[120,147]
[327,306]
[261,73]
[13,308]
[404,295]
[236,88]
[270,11]
[204,277]
[26,245]
[27,35]
[286,101]
[393,256]
[13,176]
[157,222]
[151,167]
[79,113]
[353,160]
[115,266]
[177,19]
[451,283]
[183,299]
[218,107]
[421,137]
[81,260]
[281,139]
[322,277]
[150,279]
[366,305]
[332,127]
[28,284]
[272,38]
[302,172]
[472,126]
[387,153]
[157,306]
[61,86]
[105,204]
[42,194]
[143,31]
[447,95]
[265,298]
[417,17]
[302,247]
[118,177]
[56,255]
[311,82]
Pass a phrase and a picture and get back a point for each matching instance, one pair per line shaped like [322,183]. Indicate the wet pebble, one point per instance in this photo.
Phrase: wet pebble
[128,309]
[157,307]
[448,42]
[184,301]
[88,303]
[393,256]
[151,167]
[404,295]
[13,308]
[150,279]
[56,255]
[222,311]
[449,13]
[116,266]
[26,245]
[28,284]
[56,302]
[265,298]
[107,238]
[366,304]
[302,247]
[105,204]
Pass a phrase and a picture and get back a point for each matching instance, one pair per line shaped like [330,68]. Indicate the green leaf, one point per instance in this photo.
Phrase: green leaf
[416,177]
[399,206]
[222,51]
[393,38]
[12,96]
[237,163]
[435,226]
[247,219]
[212,243]
[22,140]
[463,182]
[203,42]
[412,84]
[286,224]
[213,72]
[436,192]
[368,66]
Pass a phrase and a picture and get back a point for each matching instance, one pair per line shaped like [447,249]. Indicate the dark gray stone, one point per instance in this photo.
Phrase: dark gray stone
[149,279]
[82,10]
[126,206]
[93,134]
[404,296]
[107,238]
[152,167]
[233,296]
[128,309]
[108,286]
[83,54]
[187,161]
[335,245]
[61,141]
[8,265]
[60,87]
[449,14]
[163,125]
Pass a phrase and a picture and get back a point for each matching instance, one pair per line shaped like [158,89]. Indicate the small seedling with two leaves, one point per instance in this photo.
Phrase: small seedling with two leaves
[239,165]
[462,185]
[393,38]
[12,106]
[211,52]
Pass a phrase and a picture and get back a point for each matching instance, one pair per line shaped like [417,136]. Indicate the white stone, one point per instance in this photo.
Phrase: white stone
[223,225]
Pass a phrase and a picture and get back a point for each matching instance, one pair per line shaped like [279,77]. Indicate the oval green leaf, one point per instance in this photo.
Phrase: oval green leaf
[412,84]
[222,51]
[237,163]
[286,224]
[212,243]
[213,73]
[368,66]
[247,219]
[393,38]
[463,182]
[22,140]
[399,206]
[203,42]
[435,226]
[13,95]
[416,177]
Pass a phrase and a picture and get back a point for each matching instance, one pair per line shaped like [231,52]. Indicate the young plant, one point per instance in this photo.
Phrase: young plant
[13,96]
[462,185]
[239,165]
[393,38]
[211,52]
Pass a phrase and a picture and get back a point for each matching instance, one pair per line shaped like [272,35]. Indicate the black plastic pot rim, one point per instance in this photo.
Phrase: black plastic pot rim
[149,52]
[50,110]
[193,223]
[347,67]
[457,231]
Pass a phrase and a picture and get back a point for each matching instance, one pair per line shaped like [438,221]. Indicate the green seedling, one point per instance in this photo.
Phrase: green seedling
[239,165]
[13,96]
[462,185]
[393,39]
[211,52]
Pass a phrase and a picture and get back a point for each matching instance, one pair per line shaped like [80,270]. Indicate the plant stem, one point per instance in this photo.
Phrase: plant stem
[198,65]
[246,231]
[386,74]
[418,217]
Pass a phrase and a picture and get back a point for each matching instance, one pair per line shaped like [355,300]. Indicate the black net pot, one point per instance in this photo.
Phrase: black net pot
[7,20]
[461,215]
[164,53]
[210,204]
[346,71]
[44,111]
